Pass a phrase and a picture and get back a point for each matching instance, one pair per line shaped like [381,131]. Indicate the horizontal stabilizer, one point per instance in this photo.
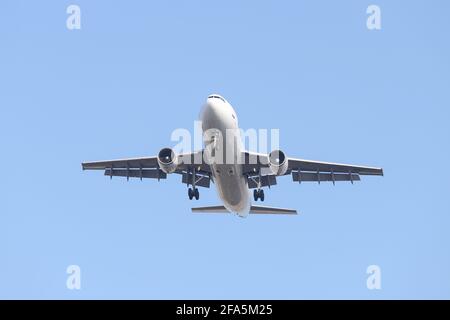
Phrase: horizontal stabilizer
[253,210]
[271,210]
[210,209]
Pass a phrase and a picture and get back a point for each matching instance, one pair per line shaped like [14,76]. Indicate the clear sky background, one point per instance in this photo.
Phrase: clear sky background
[139,69]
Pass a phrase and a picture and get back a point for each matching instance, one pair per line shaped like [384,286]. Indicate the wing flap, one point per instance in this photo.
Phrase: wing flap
[133,173]
[200,180]
[132,163]
[318,177]
[266,181]
[314,166]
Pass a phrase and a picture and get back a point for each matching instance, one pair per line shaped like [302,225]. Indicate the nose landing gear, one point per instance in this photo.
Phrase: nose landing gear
[258,194]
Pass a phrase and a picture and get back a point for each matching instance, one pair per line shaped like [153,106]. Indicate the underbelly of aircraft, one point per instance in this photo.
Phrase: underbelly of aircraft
[232,188]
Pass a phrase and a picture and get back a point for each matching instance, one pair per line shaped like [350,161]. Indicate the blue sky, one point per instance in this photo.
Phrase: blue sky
[138,69]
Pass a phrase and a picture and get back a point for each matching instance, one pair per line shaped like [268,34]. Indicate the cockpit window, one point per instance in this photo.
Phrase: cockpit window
[216,97]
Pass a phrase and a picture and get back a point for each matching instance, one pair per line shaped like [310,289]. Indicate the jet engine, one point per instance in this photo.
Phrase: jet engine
[278,163]
[167,160]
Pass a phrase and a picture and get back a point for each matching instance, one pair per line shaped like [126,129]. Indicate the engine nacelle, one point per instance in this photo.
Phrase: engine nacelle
[278,162]
[167,160]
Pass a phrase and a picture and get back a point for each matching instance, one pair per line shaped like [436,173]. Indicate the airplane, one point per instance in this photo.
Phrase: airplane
[234,178]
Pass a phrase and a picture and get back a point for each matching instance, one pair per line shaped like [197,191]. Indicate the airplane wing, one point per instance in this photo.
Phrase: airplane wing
[147,167]
[304,170]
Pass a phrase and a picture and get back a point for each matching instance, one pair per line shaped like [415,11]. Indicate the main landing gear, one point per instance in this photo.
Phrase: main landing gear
[258,194]
[193,193]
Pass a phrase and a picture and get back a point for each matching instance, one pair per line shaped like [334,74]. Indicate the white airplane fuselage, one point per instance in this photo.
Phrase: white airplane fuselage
[217,116]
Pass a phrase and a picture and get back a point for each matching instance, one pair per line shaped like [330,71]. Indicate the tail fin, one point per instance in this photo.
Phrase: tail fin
[253,210]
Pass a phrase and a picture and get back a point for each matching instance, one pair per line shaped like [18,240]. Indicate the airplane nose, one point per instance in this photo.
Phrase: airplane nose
[210,116]
[211,109]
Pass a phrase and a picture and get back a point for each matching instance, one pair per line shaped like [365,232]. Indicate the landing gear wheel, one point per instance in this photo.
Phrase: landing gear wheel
[190,193]
[196,194]
[258,194]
